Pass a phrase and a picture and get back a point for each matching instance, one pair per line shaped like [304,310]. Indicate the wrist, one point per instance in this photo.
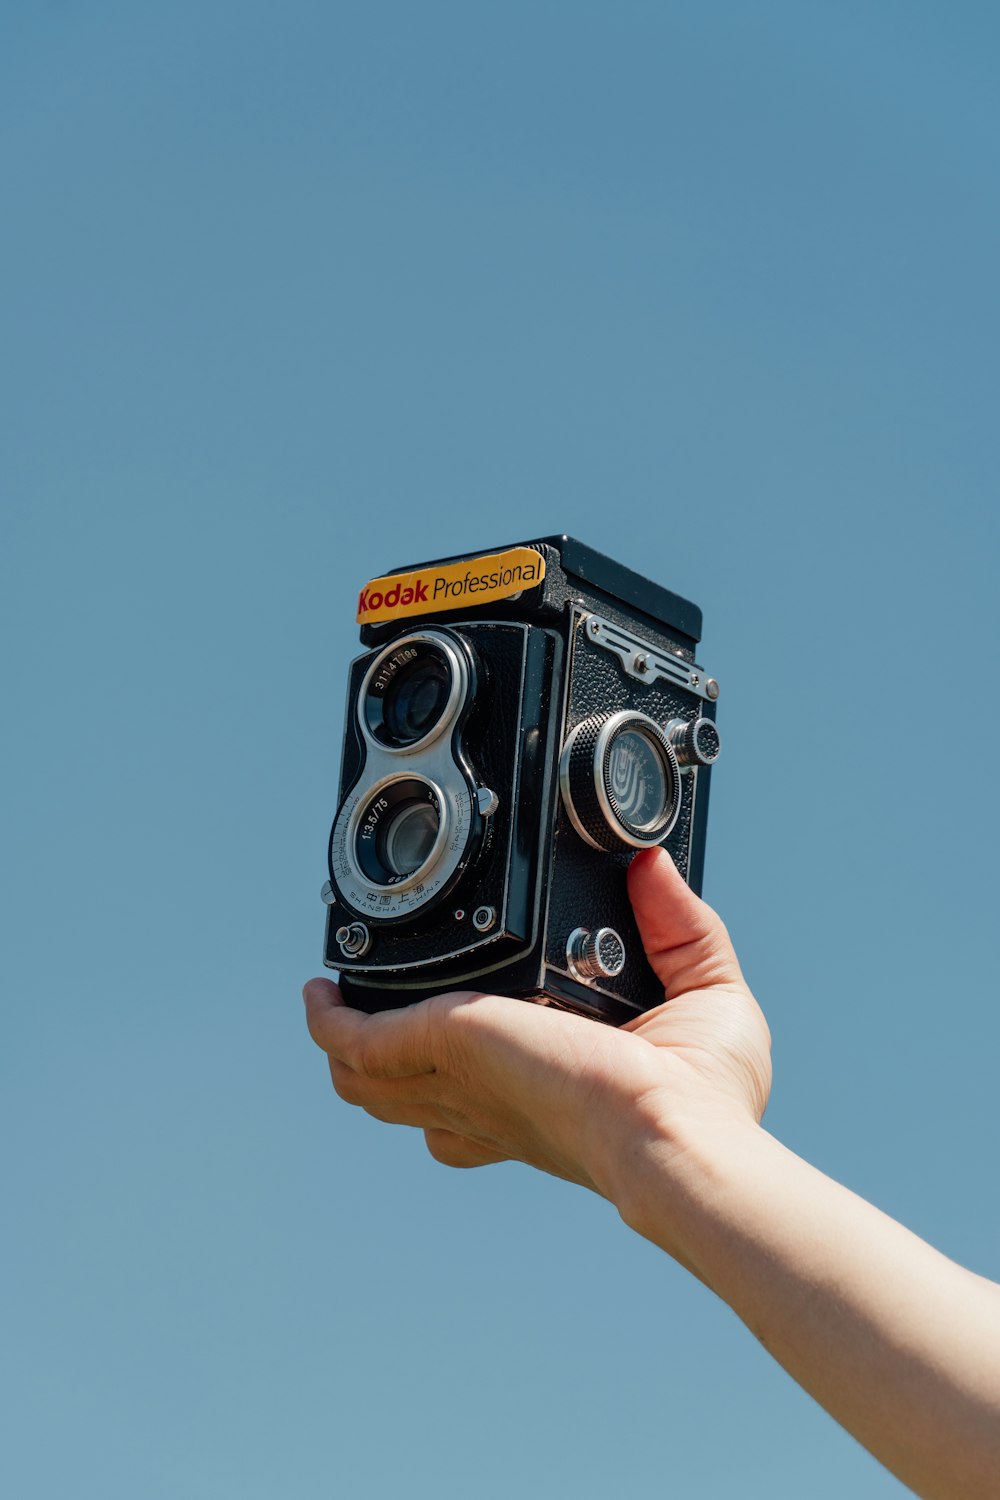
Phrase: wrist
[675,1172]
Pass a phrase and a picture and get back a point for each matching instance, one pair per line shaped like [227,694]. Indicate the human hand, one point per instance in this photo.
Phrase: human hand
[488,1078]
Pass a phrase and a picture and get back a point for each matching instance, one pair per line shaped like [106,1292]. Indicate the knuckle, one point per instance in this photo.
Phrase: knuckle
[346,1082]
[367,1058]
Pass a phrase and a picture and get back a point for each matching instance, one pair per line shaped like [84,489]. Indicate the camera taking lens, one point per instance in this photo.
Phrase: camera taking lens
[409,837]
[397,831]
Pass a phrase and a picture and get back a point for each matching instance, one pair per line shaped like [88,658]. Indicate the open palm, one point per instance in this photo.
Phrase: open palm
[489,1079]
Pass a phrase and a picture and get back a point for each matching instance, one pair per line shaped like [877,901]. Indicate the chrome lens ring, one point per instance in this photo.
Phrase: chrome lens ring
[637,779]
[397,832]
[413,692]
[399,842]
[620,781]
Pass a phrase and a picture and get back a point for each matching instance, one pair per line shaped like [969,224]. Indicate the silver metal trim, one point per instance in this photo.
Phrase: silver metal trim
[643,662]
[478,947]
[456,697]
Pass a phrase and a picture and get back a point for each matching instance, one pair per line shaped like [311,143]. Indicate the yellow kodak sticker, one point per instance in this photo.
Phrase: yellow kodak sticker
[480,580]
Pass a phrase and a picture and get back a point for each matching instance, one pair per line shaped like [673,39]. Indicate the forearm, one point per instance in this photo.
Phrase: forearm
[898,1343]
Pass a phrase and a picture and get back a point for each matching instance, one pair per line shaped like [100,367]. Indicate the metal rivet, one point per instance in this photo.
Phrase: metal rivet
[712,688]
[595,627]
[641,663]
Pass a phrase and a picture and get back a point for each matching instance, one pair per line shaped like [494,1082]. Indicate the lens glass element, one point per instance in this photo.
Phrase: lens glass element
[407,837]
[415,698]
[397,830]
[636,779]
[412,692]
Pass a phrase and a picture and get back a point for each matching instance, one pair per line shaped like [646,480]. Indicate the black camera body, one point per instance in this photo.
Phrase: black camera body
[521,723]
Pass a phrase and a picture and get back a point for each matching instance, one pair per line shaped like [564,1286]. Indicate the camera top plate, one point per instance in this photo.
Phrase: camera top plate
[571,567]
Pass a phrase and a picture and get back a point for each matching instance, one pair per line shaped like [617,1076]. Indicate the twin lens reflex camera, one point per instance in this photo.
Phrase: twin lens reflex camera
[522,721]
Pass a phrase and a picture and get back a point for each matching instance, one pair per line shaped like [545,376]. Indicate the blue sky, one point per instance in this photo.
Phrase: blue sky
[292,295]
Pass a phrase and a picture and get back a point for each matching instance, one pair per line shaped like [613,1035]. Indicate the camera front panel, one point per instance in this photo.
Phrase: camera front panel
[434,850]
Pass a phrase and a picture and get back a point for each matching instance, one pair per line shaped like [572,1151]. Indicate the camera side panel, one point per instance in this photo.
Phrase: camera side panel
[588,889]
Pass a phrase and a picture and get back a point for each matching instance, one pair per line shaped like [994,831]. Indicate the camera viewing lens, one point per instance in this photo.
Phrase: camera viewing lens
[636,779]
[408,837]
[415,698]
[414,689]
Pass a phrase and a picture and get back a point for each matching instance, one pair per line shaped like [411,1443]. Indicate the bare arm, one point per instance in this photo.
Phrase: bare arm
[898,1343]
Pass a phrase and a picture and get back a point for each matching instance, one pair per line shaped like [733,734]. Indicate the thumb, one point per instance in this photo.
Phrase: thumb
[686,943]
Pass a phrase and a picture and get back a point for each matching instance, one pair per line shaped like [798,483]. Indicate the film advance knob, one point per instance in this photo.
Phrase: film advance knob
[595,955]
[696,741]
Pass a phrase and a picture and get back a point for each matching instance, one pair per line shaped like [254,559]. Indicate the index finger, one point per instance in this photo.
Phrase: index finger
[388,1044]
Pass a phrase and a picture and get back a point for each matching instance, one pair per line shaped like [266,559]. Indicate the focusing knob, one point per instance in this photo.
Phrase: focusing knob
[696,741]
[620,781]
[595,955]
[354,940]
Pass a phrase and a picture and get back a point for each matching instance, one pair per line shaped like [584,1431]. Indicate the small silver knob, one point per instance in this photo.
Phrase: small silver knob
[487,801]
[483,918]
[353,940]
[595,955]
[327,894]
[696,741]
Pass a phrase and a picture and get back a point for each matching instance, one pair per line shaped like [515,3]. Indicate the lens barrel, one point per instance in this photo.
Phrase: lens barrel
[413,692]
[620,781]
[397,831]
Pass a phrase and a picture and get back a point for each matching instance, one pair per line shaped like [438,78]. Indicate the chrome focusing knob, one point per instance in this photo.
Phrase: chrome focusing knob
[595,955]
[696,741]
[620,781]
[354,940]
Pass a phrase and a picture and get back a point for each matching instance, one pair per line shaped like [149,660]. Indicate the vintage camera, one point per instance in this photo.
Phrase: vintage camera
[522,722]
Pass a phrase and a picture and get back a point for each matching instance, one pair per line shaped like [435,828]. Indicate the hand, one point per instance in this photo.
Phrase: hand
[489,1078]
